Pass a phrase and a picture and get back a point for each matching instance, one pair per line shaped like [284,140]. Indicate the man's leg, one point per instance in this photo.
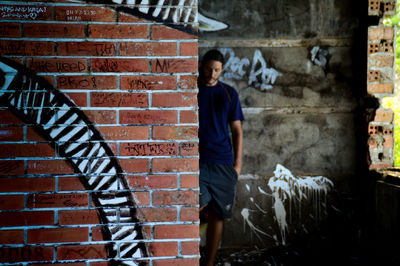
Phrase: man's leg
[214,234]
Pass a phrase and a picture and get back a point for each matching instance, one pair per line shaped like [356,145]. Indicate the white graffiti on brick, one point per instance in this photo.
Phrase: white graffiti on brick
[77,140]
[286,188]
[21,12]
[257,72]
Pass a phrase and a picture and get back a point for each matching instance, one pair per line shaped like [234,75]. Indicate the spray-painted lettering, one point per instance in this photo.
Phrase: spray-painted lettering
[259,75]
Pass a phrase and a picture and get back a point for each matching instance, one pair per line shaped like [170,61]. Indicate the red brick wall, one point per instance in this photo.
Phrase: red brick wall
[133,81]
[380,80]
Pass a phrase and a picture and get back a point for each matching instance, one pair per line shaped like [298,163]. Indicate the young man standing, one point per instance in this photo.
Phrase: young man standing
[220,159]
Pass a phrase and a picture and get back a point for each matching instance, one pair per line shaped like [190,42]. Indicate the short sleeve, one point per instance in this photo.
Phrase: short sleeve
[236,112]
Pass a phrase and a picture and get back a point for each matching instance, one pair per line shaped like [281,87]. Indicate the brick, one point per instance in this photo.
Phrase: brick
[54,30]
[87,82]
[26,150]
[58,235]
[9,47]
[78,217]
[176,231]
[381,88]
[97,234]
[175,165]
[388,143]
[380,33]
[28,218]
[161,32]
[153,181]
[84,13]
[49,167]
[189,49]
[11,202]
[87,48]
[57,65]
[175,132]
[174,65]
[119,65]
[189,214]
[11,236]
[135,165]
[188,117]
[174,99]
[62,200]
[118,99]
[175,198]
[383,115]
[158,214]
[33,135]
[161,249]
[10,30]
[78,98]
[7,117]
[142,198]
[189,181]
[148,83]
[31,184]
[177,262]
[48,78]
[117,31]
[25,12]
[148,49]
[101,116]
[379,166]
[190,248]
[376,60]
[188,82]
[189,149]
[11,134]
[27,253]
[81,252]
[14,167]
[124,17]
[124,132]
[148,117]
[70,184]
[149,149]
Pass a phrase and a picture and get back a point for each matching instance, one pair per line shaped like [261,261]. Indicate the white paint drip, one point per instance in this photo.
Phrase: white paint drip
[245,214]
[287,188]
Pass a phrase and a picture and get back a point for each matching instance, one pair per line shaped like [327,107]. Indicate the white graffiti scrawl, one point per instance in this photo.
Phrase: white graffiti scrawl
[257,72]
[288,190]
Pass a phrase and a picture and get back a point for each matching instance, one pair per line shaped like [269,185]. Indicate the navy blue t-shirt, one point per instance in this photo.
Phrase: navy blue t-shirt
[218,106]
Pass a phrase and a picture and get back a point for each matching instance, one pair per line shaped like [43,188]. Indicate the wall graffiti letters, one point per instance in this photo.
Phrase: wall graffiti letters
[22,12]
[258,75]
[151,149]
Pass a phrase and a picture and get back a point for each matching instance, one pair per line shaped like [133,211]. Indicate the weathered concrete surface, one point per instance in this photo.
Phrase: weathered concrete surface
[281,18]
[300,99]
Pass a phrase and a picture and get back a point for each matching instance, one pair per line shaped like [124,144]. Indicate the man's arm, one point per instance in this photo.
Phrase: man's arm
[237,139]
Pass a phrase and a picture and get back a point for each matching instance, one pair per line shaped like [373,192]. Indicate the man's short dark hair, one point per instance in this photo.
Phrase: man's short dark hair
[215,55]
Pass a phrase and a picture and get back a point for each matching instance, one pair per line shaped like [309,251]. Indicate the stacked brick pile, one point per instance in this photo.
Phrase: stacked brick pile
[110,147]
[381,41]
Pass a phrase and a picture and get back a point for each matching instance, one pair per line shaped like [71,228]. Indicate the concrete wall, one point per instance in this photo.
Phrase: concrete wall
[294,65]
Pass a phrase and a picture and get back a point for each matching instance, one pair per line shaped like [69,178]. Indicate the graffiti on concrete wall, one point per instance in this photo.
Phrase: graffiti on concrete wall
[69,130]
[289,194]
[257,73]
[319,56]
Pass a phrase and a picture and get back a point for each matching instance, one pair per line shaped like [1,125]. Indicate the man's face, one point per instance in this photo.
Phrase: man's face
[212,70]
